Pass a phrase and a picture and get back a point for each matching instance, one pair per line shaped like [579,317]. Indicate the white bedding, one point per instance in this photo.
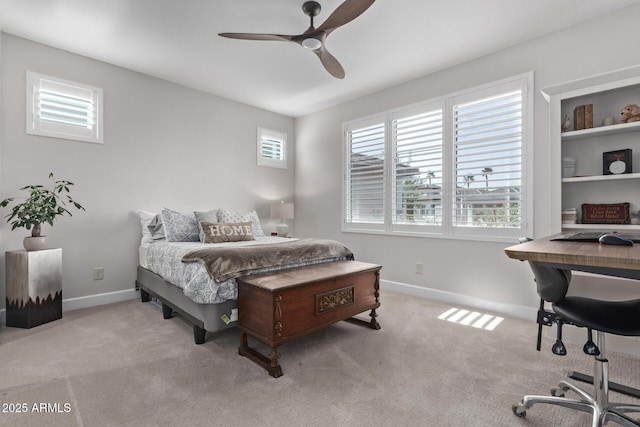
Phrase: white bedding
[142,255]
[165,259]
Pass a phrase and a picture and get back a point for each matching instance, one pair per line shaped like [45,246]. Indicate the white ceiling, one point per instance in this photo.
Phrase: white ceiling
[392,42]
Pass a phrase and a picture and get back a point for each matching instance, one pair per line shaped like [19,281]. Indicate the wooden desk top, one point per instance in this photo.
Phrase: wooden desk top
[614,260]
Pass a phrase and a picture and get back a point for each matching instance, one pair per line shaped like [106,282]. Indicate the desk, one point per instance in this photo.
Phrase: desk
[591,257]
[609,260]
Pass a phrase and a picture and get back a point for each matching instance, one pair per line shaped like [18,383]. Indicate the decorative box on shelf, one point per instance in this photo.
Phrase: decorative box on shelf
[606,213]
[33,287]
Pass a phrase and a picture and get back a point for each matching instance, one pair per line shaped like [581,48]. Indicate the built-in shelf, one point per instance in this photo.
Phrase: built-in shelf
[601,131]
[592,178]
[607,93]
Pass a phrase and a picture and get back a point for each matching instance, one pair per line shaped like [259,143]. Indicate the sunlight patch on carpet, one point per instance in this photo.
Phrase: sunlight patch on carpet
[471,318]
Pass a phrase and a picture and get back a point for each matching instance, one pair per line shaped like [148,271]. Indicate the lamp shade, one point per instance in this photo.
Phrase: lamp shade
[282,210]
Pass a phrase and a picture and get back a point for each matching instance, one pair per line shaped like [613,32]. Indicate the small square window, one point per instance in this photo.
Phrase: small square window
[272,148]
[62,109]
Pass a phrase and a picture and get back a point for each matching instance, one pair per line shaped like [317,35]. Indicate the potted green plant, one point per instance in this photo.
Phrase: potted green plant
[42,205]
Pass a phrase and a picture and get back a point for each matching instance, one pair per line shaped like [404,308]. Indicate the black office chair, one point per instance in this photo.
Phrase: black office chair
[614,317]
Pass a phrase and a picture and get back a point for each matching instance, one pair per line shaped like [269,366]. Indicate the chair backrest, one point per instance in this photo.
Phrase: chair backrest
[551,283]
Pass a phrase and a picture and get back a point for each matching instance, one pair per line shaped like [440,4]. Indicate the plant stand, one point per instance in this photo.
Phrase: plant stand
[33,287]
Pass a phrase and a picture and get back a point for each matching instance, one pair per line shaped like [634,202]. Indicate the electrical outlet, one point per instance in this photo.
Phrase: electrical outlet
[419,268]
[98,273]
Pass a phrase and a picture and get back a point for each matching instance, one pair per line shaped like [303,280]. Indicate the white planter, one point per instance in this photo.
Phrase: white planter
[35,243]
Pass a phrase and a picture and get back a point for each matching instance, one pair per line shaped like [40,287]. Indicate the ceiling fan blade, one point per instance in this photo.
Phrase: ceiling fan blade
[253,36]
[345,13]
[330,63]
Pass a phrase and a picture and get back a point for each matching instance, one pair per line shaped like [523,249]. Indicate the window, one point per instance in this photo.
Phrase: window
[365,192]
[488,147]
[454,166]
[416,138]
[272,148]
[61,109]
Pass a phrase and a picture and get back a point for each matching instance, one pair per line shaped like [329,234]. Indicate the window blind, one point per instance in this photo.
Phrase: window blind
[365,175]
[63,109]
[456,166]
[417,144]
[72,110]
[272,148]
[488,161]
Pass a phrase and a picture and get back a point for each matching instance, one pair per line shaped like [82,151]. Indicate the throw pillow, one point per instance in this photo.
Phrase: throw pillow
[145,219]
[155,228]
[220,232]
[230,216]
[179,227]
[207,216]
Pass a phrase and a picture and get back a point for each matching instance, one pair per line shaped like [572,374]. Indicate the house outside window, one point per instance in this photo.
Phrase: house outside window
[272,148]
[451,167]
[63,109]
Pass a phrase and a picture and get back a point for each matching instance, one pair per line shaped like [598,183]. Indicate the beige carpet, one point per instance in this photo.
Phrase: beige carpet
[124,365]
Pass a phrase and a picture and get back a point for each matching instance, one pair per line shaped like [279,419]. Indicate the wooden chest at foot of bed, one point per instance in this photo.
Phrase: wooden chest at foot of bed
[277,307]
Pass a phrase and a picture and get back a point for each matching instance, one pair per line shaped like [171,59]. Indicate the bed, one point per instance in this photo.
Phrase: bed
[194,274]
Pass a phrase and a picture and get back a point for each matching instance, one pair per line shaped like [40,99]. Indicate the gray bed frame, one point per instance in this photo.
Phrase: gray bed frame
[203,317]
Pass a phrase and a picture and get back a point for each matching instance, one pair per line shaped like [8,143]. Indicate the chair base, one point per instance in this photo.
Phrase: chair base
[620,388]
[601,413]
[598,405]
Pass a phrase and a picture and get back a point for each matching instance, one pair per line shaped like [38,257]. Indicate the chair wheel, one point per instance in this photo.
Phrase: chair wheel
[519,410]
[557,392]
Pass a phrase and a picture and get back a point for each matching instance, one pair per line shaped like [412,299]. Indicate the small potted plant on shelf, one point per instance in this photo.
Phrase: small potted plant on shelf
[42,205]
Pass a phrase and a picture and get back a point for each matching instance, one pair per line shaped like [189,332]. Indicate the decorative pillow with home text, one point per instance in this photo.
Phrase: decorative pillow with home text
[221,232]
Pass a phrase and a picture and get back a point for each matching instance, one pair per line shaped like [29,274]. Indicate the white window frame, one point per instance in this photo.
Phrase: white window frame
[447,229]
[367,227]
[264,134]
[88,99]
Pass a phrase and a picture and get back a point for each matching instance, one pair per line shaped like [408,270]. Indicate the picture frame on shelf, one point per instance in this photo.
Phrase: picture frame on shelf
[616,162]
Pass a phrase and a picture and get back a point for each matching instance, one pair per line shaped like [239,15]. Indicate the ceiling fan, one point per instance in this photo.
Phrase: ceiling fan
[313,38]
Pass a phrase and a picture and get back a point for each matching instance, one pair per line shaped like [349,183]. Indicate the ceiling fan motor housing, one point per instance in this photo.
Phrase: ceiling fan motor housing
[311,8]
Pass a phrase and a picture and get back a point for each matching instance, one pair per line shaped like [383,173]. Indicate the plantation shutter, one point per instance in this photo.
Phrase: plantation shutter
[417,144]
[271,148]
[457,166]
[75,108]
[365,176]
[63,109]
[488,134]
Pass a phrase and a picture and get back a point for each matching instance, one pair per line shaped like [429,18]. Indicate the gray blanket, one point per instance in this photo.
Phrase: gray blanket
[229,263]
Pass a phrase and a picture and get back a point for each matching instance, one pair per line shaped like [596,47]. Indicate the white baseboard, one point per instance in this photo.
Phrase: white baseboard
[519,311]
[98,299]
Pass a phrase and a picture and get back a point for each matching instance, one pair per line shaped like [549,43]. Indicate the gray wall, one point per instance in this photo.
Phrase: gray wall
[477,270]
[165,145]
